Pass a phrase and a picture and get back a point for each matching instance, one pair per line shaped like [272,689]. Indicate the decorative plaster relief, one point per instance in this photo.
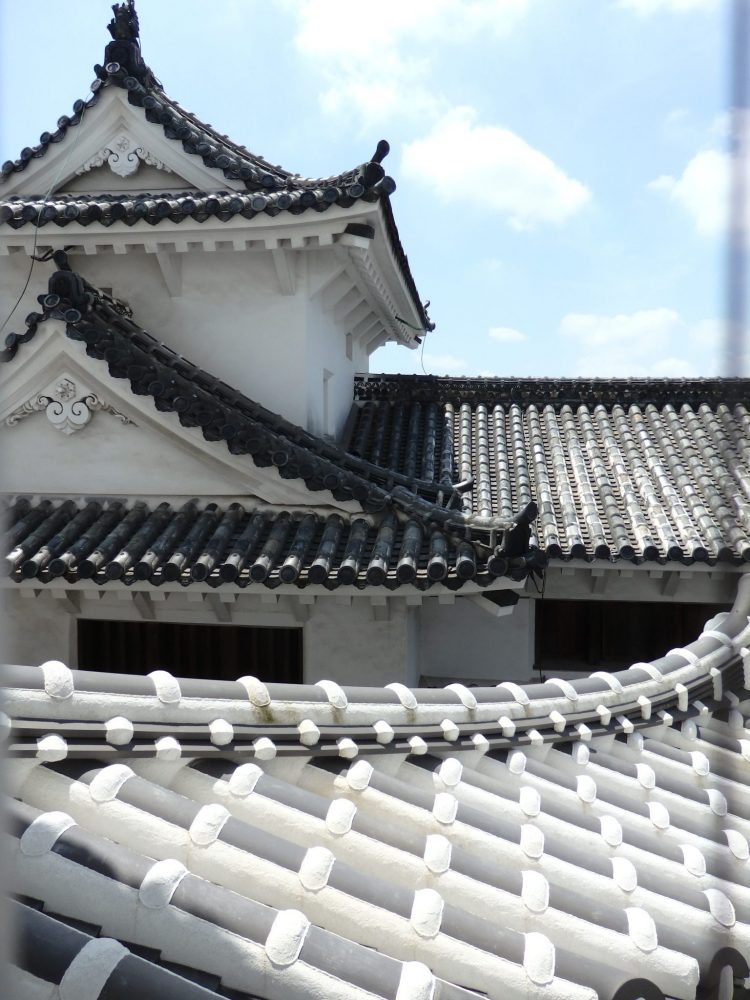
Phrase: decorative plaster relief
[67,406]
[123,157]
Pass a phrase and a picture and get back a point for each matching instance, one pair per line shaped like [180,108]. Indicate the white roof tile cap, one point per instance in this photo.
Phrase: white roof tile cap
[718,679]
[222,732]
[645,775]
[383,731]
[437,853]
[641,928]
[119,731]
[720,906]
[558,721]
[586,788]
[744,749]
[532,841]
[659,815]
[42,834]
[58,680]
[535,737]
[427,912]
[416,982]
[539,959]
[257,692]
[160,882]
[650,669]
[315,869]
[716,621]
[700,762]
[693,860]
[666,717]
[264,748]
[334,693]
[566,687]
[340,816]
[716,801]
[737,844]
[725,640]
[464,695]
[687,654]
[358,775]
[508,726]
[106,784]
[309,734]
[529,800]
[207,824]
[480,742]
[516,692]
[611,831]
[348,749]
[534,891]
[418,745]
[167,748]
[604,714]
[166,686]
[635,741]
[244,779]
[645,706]
[516,762]
[87,974]
[612,682]
[450,771]
[625,724]
[583,731]
[404,695]
[683,697]
[624,874]
[451,732]
[689,730]
[286,937]
[444,808]
[51,748]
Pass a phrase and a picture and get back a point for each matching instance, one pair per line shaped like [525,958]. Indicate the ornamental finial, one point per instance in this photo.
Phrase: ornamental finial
[124,25]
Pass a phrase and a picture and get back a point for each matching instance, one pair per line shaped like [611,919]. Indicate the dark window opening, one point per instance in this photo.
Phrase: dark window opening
[219,652]
[578,635]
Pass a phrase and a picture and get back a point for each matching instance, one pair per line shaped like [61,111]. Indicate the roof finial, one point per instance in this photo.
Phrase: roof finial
[124,25]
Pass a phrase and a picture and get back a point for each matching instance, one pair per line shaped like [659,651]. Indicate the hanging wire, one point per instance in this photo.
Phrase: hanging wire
[739,217]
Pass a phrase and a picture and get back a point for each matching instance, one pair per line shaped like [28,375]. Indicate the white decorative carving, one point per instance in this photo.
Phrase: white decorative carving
[62,409]
[123,157]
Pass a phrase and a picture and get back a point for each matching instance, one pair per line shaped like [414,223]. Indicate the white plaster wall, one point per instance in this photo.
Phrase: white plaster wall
[344,643]
[463,642]
[36,629]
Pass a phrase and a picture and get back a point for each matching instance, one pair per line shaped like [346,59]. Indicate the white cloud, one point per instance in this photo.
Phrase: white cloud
[702,190]
[393,359]
[379,65]
[643,343]
[645,8]
[506,335]
[493,168]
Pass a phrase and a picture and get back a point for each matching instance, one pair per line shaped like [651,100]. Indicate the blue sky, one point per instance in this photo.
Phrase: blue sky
[560,164]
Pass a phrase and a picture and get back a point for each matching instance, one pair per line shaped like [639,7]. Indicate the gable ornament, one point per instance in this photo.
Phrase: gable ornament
[123,156]
[65,409]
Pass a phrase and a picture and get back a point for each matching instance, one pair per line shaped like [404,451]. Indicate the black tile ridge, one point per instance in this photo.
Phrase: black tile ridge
[551,391]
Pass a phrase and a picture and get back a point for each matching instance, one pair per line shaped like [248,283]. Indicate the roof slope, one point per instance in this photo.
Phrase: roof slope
[315,841]
[641,470]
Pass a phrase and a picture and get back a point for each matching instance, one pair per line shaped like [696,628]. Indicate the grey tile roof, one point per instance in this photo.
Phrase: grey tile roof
[595,854]
[642,470]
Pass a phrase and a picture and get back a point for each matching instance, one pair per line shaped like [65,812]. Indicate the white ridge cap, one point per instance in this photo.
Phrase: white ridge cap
[650,669]
[712,633]
[737,844]
[693,860]
[119,731]
[611,831]
[58,680]
[612,682]
[106,784]
[532,841]
[437,853]
[416,982]
[340,816]
[687,654]
[516,692]
[624,874]
[87,974]
[334,693]
[42,833]
[168,748]
[222,732]
[309,734]
[51,748]
[208,823]
[160,882]
[659,815]
[565,686]
[243,780]
[358,775]
[405,696]
[534,891]
[427,912]
[465,696]
[700,762]
[315,869]
[166,686]
[257,692]
[720,906]
[641,928]
[444,808]
[645,775]
[716,801]
[529,800]
[539,958]
[450,771]
[286,937]
[586,788]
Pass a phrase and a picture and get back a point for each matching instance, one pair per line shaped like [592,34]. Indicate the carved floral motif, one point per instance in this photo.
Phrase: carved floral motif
[63,410]
[122,156]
